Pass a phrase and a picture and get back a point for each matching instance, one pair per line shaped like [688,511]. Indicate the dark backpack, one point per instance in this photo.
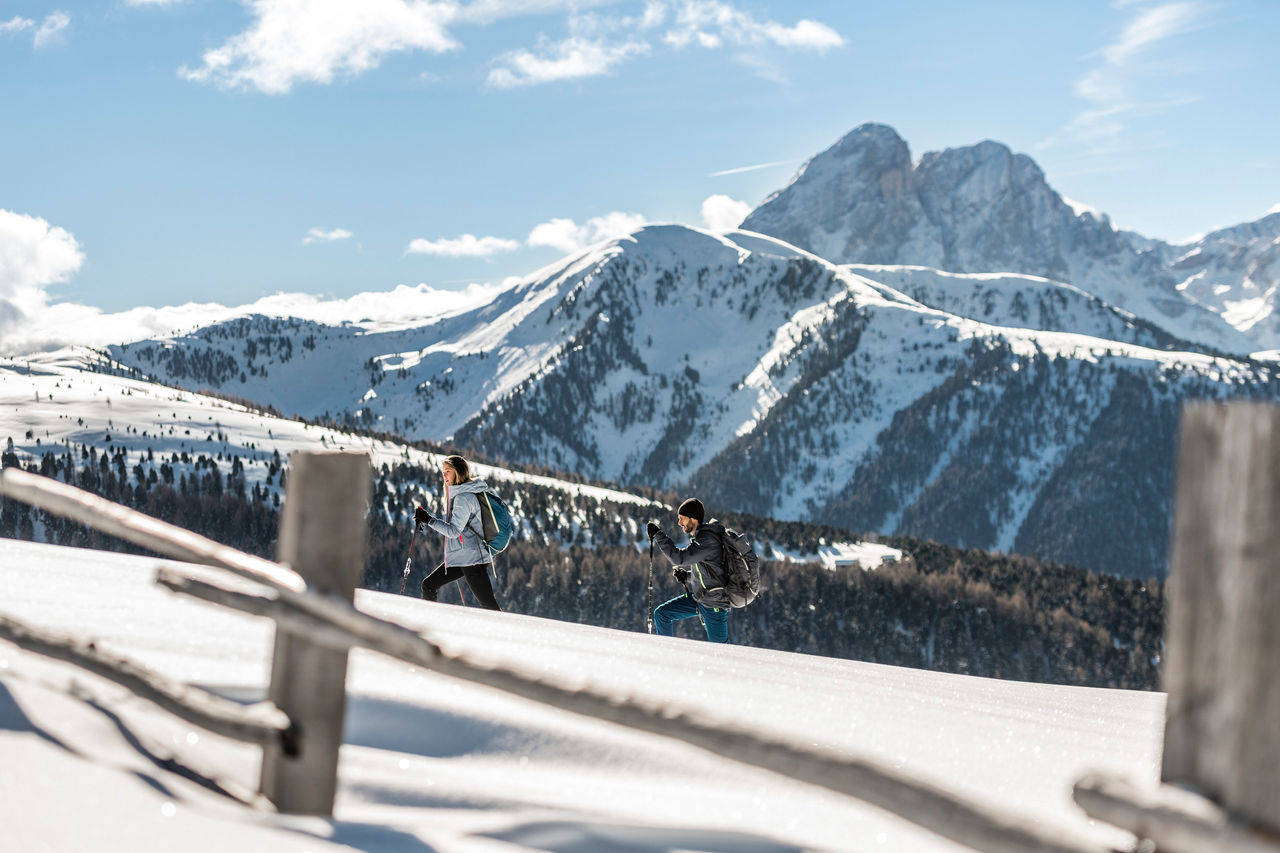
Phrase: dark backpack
[495,521]
[741,569]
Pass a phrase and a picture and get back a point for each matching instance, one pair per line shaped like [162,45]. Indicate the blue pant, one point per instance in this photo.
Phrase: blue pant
[684,607]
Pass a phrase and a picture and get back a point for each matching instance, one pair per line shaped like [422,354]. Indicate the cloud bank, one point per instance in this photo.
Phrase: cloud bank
[33,256]
[317,41]
[69,324]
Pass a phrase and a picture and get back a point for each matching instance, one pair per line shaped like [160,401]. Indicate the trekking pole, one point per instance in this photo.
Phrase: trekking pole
[688,590]
[408,560]
[648,614]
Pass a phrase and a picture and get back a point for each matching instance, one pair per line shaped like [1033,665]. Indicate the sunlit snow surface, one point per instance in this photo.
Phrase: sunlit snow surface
[432,764]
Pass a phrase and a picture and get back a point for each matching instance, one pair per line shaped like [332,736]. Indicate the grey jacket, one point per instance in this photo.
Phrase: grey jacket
[704,558]
[461,526]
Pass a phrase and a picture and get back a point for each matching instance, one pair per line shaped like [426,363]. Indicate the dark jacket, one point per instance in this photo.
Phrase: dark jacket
[704,558]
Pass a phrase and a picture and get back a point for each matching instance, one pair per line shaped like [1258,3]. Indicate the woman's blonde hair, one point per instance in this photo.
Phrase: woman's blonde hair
[460,467]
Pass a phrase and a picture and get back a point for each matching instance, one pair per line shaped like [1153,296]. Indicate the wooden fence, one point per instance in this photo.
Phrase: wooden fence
[1221,768]
[310,598]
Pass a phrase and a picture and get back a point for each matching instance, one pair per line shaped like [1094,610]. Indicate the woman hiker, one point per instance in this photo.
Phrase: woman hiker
[465,553]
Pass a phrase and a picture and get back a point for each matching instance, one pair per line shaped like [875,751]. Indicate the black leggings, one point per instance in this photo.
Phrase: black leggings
[477,578]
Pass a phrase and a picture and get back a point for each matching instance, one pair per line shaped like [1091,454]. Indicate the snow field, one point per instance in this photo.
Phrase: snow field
[433,763]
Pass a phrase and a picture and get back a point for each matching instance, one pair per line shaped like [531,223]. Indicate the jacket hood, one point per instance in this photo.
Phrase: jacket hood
[469,487]
[713,525]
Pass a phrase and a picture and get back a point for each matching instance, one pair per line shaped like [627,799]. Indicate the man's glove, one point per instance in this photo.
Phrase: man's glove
[652,529]
[421,516]
[681,575]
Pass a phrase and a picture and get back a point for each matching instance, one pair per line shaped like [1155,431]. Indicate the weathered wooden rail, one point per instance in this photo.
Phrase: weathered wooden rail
[261,723]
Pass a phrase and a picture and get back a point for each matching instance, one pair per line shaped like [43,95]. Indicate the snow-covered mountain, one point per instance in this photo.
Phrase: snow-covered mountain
[985,412]
[70,401]
[985,209]
[1235,272]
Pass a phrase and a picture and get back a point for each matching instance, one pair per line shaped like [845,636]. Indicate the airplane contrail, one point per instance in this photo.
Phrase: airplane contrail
[752,168]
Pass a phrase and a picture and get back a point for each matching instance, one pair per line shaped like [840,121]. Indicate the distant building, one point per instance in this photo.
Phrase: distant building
[868,556]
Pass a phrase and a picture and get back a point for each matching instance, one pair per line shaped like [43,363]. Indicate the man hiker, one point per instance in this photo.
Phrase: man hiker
[465,554]
[699,566]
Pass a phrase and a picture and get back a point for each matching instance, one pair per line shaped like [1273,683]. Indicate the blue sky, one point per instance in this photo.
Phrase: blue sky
[169,152]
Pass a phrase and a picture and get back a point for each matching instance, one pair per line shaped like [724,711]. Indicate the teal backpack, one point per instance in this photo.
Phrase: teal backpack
[495,522]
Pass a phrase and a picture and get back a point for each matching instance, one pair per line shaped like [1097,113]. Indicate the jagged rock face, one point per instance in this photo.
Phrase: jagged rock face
[988,209]
[976,209]
[985,209]
[856,203]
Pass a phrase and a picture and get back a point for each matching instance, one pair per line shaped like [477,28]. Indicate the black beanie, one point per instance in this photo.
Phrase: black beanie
[692,508]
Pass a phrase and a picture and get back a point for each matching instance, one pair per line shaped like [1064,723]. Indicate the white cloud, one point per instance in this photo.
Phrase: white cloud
[466,246]
[566,60]
[567,236]
[33,256]
[152,2]
[299,41]
[402,307]
[51,29]
[711,24]
[1150,27]
[46,32]
[1111,87]
[16,25]
[486,12]
[722,213]
[294,41]
[598,43]
[68,324]
[320,235]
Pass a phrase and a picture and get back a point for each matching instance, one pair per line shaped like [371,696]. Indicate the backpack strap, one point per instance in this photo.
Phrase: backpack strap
[480,534]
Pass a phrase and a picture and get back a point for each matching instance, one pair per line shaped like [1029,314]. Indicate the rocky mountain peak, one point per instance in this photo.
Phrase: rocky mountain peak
[979,208]
[985,209]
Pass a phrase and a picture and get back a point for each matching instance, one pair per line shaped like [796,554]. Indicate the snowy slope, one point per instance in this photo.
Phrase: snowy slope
[1019,301]
[433,764]
[54,401]
[1235,272]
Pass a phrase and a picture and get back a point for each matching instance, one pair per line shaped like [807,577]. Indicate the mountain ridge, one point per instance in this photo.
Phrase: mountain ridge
[770,381]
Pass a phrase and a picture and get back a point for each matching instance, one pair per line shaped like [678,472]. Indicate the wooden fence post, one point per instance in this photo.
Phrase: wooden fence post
[1222,656]
[322,537]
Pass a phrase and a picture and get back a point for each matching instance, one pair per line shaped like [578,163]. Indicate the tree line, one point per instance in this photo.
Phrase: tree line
[583,560]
